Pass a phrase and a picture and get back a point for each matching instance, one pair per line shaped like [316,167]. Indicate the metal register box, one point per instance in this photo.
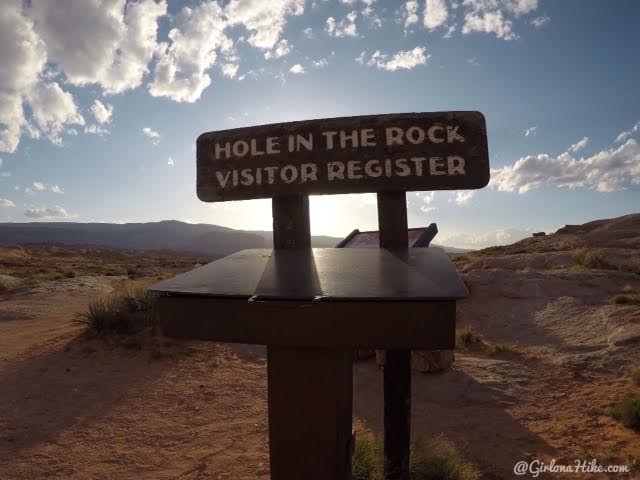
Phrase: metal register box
[350,298]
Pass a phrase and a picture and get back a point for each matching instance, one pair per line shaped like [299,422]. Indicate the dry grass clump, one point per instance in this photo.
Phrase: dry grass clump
[8,283]
[632,265]
[635,376]
[123,313]
[592,258]
[435,460]
[629,296]
[467,338]
[367,460]
[627,411]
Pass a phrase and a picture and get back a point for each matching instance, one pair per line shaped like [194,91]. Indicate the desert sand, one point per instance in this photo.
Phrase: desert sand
[75,407]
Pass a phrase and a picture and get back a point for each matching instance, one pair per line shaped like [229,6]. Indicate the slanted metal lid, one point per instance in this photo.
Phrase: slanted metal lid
[323,273]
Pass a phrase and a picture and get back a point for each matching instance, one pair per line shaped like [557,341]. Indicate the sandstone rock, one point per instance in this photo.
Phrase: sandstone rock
[625,335]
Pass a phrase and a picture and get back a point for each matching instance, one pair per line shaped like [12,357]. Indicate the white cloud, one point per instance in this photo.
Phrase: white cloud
[580,144]
[181,70]
[344,28]
[404,60]
[152,135]
[280,49]
[93,129]
[57,189]
[102,42]
[501,236]
[22,56]
[531,131]
[264,20]
[170,162]
[101,112]
[53,109]
[6,203]
[308,32]
[230,70]
[539,22]
[492,16]
[627,133]
[47,212]
[370,15]
[321,63]
[39,186]
[473,62]
[427,200]
[607,171]
[463,197]
[435,14]
[297,69]
[489,22]
[518,7]
[410,13]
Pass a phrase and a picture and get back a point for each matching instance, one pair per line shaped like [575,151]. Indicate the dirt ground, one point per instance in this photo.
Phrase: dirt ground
[90,409]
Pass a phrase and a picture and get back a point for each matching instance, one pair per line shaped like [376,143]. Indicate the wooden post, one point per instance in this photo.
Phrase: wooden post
[291,228]
[309,389]
[392,223]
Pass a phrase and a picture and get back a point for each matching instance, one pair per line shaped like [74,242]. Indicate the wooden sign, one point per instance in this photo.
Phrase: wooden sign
[401,152]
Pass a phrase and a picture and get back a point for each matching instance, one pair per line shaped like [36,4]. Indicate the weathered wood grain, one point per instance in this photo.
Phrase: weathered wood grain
[401,152]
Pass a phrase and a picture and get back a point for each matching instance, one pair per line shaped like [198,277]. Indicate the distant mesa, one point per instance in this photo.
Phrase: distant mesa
[170,235]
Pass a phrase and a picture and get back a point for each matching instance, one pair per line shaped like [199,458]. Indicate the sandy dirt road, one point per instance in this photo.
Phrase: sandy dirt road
[77,408]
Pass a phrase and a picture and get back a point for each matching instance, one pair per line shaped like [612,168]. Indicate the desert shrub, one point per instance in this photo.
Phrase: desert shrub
[69,274]
[625,298]
[467,337]
[366,463]
[635,376]
[8,283]
[592,259]
[627,411]
[436,460]
[124,313]
[632,266]
[498,348]
[440,460]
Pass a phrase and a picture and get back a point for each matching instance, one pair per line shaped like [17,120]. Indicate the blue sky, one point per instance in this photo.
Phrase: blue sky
[101,103]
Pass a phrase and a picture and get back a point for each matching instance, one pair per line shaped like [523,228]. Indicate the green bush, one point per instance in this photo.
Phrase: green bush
[498,348]
[440,460]
[366,463]
[592,259]
[124,313]
[435,460]
[467,337]
[625,298]
[632,266]
[627,411]
[8,283]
